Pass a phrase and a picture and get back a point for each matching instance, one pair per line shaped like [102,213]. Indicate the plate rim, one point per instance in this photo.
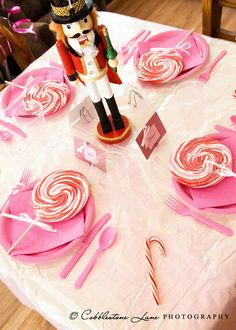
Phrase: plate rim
[38,258]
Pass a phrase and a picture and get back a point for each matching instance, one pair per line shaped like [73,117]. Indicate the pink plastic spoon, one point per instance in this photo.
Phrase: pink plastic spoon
[5,135]
[106,240]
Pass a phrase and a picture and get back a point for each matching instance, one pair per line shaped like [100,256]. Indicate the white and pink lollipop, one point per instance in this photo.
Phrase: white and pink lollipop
[197,163]
[159,66]
[60,195]
[46,97]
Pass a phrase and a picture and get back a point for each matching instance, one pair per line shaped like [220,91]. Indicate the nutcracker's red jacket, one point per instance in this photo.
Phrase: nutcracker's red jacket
[74,64]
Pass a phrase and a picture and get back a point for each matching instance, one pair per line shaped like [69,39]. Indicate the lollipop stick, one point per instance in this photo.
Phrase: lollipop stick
[185,37]
[13,84]
[19,239]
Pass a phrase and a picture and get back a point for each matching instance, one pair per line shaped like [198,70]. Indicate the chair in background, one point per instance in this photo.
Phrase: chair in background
[20,49]
[38,11]
[212,17]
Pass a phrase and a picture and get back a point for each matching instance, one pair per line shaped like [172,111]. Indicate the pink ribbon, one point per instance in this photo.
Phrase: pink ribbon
[17,26]
[26,218]
[182,47]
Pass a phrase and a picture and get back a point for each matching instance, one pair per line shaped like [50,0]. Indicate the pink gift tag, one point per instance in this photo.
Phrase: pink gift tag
[150,135]
[90,154]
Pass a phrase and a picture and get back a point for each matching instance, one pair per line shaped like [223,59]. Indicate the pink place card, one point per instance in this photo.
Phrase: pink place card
[150,135]
[89,153]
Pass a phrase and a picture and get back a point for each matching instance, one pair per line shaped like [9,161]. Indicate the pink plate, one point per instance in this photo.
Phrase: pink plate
[200,41]
[12,97]
[183,193]
[53,254]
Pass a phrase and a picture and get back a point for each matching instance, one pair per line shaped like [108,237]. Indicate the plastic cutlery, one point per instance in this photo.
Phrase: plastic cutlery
[204,76]
[233,119]
[5,135]
[223,129]
[127,55]
[223,132]
[56,65]
[183,210]
[13,128]
[22,182]
[131,42]
[106,240]
[84,245]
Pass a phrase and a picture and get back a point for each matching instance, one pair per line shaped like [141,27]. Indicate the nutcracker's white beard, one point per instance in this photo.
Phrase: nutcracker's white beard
[90,50]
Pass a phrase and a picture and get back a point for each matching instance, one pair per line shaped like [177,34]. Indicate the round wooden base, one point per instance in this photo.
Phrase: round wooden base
[116,136]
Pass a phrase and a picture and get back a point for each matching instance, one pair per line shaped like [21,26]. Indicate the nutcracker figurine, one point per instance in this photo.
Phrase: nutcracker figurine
[88,57]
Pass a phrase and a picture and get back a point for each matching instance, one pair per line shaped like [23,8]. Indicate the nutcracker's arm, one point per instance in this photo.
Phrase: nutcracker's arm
[101,34]
[66,61]
[106,42]
[111,53]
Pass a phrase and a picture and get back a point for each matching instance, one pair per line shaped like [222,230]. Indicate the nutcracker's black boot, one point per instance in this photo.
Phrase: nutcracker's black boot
[104,120]
[116,116]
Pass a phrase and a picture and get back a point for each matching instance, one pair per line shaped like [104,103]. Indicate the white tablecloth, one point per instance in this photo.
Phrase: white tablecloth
[197,276]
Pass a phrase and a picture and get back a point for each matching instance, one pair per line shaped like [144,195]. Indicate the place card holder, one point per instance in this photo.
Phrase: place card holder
[82,115]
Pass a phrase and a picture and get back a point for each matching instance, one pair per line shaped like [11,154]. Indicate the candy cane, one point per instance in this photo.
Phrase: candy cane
[151,271]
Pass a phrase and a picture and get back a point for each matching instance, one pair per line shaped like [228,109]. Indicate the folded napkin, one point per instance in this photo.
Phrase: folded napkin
[37,239]
[221,194]
[190,61]
[12,98]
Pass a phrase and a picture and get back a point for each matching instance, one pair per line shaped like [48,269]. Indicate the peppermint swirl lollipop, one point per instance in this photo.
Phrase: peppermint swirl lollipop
[47,97]
[159,66]
[60,195]
[197,163]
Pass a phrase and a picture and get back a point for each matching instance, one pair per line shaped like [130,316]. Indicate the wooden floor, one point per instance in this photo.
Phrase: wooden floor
[14,316]
[179,13]
[185,14]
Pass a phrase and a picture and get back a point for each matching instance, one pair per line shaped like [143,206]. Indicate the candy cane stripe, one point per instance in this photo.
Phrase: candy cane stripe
[151,271]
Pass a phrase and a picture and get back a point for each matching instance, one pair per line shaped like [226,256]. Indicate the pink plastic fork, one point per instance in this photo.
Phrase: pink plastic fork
[183,210]
[22,182]
[125,48]
[127,55]
[205,76]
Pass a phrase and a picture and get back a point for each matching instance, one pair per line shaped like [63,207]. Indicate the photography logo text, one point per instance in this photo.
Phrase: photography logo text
[89,314]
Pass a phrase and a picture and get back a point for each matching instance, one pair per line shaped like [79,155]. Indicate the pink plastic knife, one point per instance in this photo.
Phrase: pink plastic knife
[84,245]
[13,128]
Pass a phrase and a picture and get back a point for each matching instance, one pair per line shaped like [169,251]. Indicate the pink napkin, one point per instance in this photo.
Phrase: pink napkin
[37,239]
[190,61]
[12,98]
[223,193]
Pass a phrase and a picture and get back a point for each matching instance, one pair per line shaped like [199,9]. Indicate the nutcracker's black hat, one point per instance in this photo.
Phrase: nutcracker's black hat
[69,11]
